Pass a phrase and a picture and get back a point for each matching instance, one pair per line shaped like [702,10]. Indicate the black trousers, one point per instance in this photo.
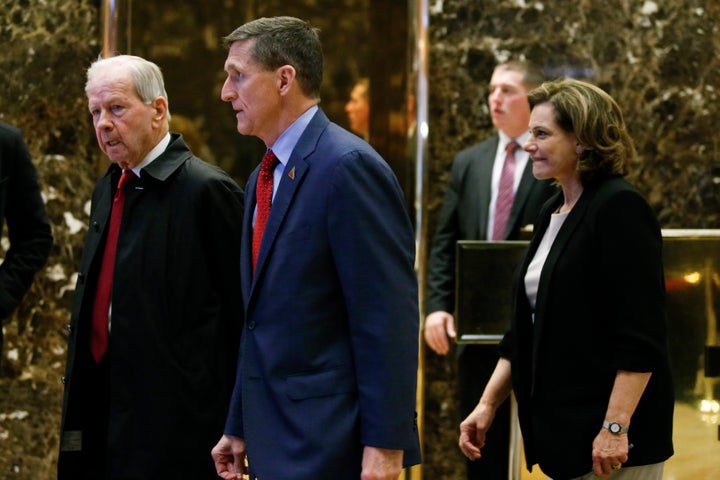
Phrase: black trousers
[476,364]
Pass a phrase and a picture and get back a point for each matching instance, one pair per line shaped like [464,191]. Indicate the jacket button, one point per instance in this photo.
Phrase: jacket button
[63,380]
[251,326]
[96,226]
[68,327]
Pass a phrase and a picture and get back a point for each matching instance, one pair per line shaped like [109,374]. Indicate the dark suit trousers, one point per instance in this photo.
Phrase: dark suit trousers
[475,367]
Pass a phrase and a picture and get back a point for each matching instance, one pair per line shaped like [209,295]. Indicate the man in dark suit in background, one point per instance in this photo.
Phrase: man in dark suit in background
[155,323]
[22,208]
[469,213]
[327,371]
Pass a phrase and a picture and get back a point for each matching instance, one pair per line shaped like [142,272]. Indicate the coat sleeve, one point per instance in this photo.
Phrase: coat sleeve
[631,250]
[372,244]
[28,226]
[441,264]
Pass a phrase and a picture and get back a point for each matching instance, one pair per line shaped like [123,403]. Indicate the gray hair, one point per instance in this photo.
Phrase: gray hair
[146,76]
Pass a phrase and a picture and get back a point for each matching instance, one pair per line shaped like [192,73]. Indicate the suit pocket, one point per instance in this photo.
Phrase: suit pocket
[320,384]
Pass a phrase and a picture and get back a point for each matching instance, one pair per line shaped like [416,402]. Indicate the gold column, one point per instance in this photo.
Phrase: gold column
[419,94]
[110,27]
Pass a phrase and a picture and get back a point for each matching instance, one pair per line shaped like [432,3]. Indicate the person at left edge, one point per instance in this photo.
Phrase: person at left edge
[328,361]
[22,208]
[154,404]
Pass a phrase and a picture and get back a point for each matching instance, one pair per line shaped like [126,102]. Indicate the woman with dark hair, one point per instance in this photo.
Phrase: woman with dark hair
[586,353]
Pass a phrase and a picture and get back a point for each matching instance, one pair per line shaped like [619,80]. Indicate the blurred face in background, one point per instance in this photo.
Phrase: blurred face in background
[508,102]
[358,110]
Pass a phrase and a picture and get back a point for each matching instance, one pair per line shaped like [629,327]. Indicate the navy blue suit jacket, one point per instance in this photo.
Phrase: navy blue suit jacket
[328,358]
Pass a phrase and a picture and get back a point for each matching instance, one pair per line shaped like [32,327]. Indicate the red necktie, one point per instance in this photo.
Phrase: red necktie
[101,307]
[506,192]
[263,198]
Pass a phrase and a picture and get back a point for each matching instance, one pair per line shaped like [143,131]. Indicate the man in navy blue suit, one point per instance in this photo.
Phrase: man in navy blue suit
[328,361]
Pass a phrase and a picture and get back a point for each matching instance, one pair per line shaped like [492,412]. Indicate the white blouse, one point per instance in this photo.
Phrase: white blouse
[532,276]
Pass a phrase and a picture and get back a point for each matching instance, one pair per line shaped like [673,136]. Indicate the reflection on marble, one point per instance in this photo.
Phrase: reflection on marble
[659,59]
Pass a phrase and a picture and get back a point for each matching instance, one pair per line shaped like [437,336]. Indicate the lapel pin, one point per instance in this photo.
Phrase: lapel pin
[291,173]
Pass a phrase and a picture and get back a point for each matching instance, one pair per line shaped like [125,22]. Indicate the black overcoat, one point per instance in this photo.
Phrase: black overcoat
[176,318]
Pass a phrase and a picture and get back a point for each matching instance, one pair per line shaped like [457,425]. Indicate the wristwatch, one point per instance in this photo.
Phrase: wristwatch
[615,428]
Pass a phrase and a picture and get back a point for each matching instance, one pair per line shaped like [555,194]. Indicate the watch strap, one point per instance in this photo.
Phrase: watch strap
[615,427]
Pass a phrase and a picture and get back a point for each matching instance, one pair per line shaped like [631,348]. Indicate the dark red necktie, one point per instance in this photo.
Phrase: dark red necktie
[101,307]
[263,198]
[506,192]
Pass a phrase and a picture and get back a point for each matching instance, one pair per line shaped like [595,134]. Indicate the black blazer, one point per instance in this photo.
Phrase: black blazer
[600,308]
[22,207]
[464,215]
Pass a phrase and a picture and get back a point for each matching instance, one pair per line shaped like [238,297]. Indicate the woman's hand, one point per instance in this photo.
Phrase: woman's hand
[609,452]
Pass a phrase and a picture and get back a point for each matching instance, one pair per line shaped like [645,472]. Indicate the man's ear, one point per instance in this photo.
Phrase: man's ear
[286,78]
[160,104]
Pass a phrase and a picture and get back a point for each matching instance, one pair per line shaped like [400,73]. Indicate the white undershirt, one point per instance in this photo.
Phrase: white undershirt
[532,276]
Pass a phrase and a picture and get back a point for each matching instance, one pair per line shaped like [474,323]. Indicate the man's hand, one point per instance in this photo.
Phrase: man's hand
[439,326]
[381,464]
[229,458]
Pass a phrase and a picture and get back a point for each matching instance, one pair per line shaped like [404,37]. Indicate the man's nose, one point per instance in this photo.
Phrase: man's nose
[103,121]
[226,94]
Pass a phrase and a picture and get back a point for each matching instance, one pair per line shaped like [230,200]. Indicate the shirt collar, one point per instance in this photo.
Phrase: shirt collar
[285,144]
[505,139]
[153,154]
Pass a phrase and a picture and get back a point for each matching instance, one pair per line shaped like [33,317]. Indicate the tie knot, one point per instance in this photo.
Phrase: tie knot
[125,177]
[269,162]
[511,147]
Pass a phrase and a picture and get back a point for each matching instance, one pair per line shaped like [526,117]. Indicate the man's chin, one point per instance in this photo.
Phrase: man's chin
[120,163]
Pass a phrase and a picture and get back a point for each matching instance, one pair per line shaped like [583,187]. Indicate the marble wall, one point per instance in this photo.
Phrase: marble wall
[659,59]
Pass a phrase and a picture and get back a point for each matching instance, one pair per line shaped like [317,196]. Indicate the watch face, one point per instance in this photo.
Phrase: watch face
[615,427]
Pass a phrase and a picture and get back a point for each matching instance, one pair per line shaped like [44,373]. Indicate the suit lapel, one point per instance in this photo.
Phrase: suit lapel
[102,205]
[571,224]
[246,275]
[290,182]
[481,178]
[281,203]
[521,196]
